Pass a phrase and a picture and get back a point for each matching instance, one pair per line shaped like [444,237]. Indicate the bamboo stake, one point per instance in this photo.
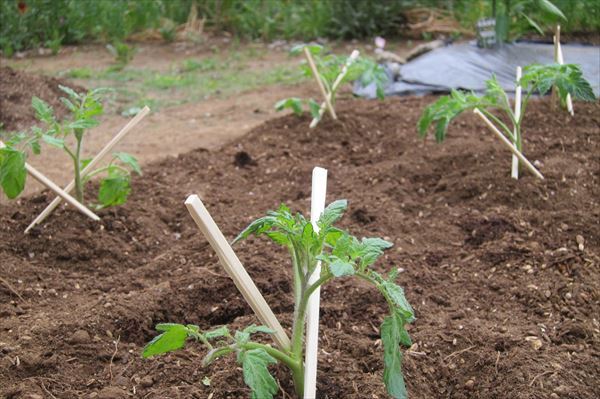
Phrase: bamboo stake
[561,61]
[235,270]
[319,189]
[556,38]
[315,72]
[506,142]
[335,85]
[57,190]
[518,90]
[107,148]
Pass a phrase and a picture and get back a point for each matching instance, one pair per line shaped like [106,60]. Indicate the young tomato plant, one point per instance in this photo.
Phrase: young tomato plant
[85,108]
[341,255]
[329,67]
[568,79]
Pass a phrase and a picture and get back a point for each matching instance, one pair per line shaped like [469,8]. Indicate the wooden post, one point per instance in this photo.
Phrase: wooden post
[515,159]
[315,72]
[335,86]
[107,148]
[317,205]
[506,142]
[57,190]
[235,270]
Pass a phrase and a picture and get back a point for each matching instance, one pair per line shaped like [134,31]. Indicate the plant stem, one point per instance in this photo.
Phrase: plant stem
[77,164]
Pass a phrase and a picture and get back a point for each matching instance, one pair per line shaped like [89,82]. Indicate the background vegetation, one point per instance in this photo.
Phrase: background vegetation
[50,23]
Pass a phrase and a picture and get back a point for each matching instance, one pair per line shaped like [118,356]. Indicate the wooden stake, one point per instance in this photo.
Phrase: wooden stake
[57,190]
[319,189]
[561,61]
[334,87]
[515,160]
[554,94]
[235,270]
[513,149]
[107,148]
[315,72]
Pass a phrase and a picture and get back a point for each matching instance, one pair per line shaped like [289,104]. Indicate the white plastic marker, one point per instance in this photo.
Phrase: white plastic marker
[315,72]
[561,61]
[513,149]
[107,148]
[317,205]
[57,190]
[235,270]
[515,161]
[335,86]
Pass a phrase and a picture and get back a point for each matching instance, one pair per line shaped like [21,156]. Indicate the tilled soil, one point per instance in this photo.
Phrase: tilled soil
[16,89]
[503,274]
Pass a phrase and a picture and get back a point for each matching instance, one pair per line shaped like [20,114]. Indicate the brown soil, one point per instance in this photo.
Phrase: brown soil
[16,90]
[506,298]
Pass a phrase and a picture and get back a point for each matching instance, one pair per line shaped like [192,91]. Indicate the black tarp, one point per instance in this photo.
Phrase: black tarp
[466,66]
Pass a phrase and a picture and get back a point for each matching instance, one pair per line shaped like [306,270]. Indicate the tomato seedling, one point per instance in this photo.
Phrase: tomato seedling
[85,108]
[341,255]
[329,67]
[567,78]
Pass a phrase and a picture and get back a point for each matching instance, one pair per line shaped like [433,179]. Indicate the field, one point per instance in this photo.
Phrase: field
[503,274]
[506,298]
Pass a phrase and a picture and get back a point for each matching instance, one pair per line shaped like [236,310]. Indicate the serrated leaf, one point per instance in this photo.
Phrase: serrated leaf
[54,141]
[255,364]
[43,111]
[257,227]
[340,268]
[173,338]
[114,190]
[217,333]
[396,294]
[12,171]
[83,124]
[70,106]
[129,160]
[70,92]
[332,213]
[392,357]
[253,329]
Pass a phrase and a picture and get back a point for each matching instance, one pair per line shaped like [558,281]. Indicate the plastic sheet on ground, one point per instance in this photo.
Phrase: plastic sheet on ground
[466,66]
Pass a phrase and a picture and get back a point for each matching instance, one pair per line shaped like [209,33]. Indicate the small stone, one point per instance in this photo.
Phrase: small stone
[536,343]
[34,396]
[561,390]
[553,396]
[469,384]
[147,381]
[80,337]
[580,241]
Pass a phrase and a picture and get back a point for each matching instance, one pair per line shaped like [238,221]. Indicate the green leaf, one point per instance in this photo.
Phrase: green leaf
[257,227]
[43,111]
[12,171]
[253,329]
[53,141]
[129,160]
[550,8]
[173,338]
[70,106]
[217,333]
[36,147]
[332,213]
[314,49]
[114,190]
[392,357]
[340,268]
[396,294]
[314,108]
[294,103]
[70,92]
[255,364]
[533,23]
[85,163]
[83,124]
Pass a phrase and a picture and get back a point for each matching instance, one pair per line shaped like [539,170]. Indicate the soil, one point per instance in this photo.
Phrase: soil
[503,275]
[16,88]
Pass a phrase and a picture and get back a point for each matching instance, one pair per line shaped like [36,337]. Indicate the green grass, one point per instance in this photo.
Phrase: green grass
[191,80]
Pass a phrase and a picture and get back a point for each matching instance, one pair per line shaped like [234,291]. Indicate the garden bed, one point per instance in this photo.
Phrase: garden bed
[503,275]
